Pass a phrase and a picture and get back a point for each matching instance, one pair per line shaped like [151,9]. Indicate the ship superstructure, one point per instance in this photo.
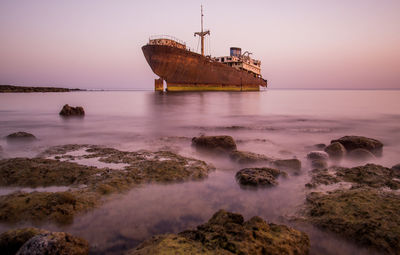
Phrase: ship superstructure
[185,70]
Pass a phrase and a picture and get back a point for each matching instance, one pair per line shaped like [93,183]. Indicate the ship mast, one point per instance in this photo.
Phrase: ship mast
[202,34]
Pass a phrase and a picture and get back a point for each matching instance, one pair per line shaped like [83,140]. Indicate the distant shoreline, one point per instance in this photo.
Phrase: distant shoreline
[23,89]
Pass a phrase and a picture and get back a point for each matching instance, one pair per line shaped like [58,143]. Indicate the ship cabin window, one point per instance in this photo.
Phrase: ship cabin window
[222,60]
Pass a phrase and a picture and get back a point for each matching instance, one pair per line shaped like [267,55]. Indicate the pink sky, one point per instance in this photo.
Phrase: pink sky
[302,44]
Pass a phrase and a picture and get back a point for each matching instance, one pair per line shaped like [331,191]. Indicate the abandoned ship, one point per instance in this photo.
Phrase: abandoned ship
[185,70]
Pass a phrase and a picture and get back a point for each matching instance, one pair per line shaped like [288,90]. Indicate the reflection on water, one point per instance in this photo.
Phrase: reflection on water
[275,123]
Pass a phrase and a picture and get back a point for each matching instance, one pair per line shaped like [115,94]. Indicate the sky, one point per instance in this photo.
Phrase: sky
[96,44]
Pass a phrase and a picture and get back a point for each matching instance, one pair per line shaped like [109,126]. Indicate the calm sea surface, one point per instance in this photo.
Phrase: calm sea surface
[277,123]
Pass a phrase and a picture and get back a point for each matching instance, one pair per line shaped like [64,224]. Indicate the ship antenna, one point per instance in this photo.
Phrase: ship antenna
[202,33]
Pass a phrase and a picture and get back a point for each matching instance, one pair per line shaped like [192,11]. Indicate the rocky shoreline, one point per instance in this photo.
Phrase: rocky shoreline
[361,204]
[23,89]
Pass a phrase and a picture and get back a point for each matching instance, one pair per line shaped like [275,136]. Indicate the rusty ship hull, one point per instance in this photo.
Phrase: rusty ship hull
[184,70]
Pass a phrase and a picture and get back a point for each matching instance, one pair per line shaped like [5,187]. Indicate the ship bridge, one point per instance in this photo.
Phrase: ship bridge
[241,61]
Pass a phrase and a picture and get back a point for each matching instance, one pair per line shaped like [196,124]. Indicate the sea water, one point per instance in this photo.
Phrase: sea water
[277,123]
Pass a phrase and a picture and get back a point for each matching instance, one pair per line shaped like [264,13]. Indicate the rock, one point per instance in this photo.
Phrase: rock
[319,163]
[361,142]
[218,144]
[336,151]
[364,215]
[228,233]
[259,176]
[246,157]
[20,137]
[360,155]
[12,240]
[72,111]
[317,155]
[55,243]
[396,167]
[288,164]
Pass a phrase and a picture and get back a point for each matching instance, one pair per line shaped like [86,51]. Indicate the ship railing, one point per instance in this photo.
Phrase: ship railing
[169,37]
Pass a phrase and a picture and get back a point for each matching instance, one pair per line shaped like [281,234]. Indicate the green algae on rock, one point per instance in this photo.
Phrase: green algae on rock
[228,233]
[368,216]
[87,183]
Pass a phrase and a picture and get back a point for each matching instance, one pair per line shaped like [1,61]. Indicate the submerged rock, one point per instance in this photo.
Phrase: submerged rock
[55,243]
[367,216]
[72,111]
[228,233]
[259,176]
[11,241]
[20,137]
[361,142]
[336,151]
[317,155]
[218,144]
[246,157]
[360,155]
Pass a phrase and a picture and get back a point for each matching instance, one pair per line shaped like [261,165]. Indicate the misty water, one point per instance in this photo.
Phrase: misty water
[277,123]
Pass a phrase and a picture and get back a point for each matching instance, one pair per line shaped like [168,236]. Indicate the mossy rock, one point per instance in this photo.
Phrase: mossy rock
[38,206]
[35,172]
[55,243]
[228,233]
[367,216]
[11,241]
[259,176]
[216,144]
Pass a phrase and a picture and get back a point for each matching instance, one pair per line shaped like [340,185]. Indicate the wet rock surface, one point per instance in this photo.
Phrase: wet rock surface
[20,137]
[87,183]
[72,111]
[368,216]
[218,144]
[361,142]
[228,233]
[259,176]
[55,243]
[336,151]
[12,240]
